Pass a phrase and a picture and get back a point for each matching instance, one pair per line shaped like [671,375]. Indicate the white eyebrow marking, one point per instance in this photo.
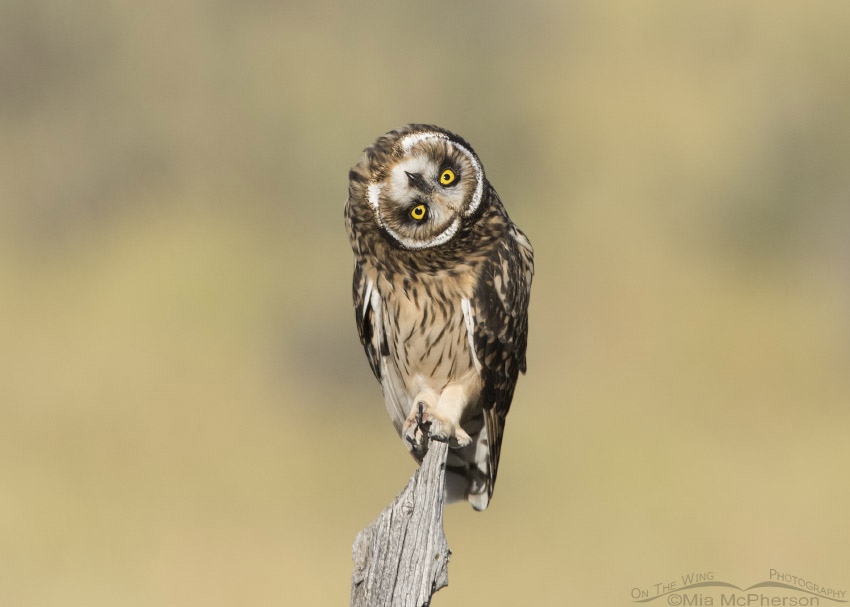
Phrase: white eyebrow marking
[374,194]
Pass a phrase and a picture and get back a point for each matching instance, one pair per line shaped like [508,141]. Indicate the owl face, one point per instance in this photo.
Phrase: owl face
[429,185]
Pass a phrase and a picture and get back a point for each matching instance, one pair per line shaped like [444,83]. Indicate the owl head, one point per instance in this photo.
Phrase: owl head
[421,183]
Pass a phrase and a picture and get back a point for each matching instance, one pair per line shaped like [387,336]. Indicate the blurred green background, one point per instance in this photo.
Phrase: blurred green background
[187,417]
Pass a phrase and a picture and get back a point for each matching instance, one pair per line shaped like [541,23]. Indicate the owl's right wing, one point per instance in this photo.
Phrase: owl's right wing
[371,333]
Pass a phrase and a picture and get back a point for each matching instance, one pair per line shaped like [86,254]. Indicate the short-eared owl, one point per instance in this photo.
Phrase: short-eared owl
[441,286]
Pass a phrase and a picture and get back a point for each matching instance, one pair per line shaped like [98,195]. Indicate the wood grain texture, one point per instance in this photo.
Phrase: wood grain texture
[401,559]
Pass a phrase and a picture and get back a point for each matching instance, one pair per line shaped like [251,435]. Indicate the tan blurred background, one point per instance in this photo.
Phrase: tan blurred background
[186,415]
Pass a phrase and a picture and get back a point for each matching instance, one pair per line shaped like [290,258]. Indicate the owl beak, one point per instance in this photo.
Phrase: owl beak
[417,182]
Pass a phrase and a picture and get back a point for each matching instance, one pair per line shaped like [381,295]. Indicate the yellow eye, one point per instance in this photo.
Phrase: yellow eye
[418,212]
[447,177]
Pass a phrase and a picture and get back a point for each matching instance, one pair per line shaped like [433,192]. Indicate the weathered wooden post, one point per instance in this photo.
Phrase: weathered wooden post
[402,557]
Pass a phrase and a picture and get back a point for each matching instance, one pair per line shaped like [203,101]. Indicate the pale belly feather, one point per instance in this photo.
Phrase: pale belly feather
[430,355]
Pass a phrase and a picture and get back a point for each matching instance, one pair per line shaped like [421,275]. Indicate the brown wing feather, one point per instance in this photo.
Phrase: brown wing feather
[365,317]
[500,306]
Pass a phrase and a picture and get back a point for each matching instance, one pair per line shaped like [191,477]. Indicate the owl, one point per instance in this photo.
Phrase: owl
[442,278]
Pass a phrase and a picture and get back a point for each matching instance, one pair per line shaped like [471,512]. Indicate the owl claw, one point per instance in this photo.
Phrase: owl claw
[413,446]
[424,422]
[415,431]
[420,406]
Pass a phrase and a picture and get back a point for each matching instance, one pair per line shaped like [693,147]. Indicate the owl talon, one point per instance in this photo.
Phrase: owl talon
[415,436]
[425,422]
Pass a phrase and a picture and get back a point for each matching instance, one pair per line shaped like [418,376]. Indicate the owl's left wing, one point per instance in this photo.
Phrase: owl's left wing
[371,334]
[500,309]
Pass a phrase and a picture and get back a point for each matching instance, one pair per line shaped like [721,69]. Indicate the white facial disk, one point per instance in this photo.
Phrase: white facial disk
[417,183]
